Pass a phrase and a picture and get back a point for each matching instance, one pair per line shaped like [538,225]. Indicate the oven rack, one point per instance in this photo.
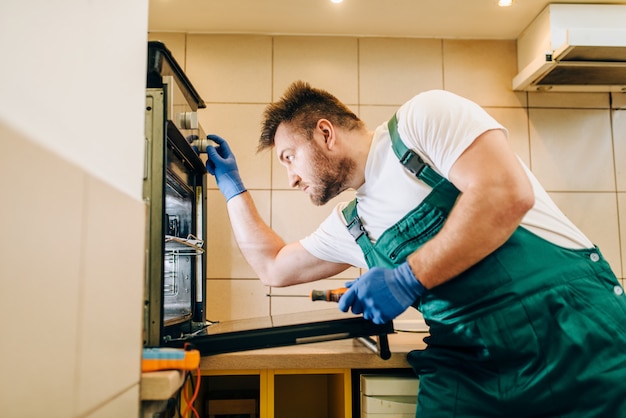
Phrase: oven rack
[183,246]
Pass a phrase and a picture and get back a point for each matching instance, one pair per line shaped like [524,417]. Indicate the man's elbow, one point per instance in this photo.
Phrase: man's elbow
[274,279]
[521,203]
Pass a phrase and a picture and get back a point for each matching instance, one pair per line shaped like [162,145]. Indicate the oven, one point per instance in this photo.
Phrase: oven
[175,279]
[174,190]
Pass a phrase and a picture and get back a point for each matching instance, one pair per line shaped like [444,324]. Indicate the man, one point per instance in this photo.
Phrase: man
[526,317]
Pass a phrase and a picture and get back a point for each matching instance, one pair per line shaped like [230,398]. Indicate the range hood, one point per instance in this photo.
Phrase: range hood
[574,47]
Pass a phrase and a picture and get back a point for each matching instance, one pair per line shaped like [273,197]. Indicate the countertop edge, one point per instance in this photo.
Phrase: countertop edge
[349,353]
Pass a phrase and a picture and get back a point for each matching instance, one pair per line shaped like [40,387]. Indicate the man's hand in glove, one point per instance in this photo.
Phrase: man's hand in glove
[221,163]
[381,294]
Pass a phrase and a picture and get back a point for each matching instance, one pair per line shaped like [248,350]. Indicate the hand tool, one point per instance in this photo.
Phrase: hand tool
[329,295]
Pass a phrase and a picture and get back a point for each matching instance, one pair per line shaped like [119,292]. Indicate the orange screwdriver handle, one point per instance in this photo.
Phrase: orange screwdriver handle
[329,295]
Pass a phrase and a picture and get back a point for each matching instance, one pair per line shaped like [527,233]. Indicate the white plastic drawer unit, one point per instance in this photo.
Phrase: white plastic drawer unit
[388,396]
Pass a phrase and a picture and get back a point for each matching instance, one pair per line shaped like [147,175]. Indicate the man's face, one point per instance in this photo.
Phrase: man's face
[311,166]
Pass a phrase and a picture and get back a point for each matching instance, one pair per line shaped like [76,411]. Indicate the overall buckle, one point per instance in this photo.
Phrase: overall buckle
[356,228]
[413,162]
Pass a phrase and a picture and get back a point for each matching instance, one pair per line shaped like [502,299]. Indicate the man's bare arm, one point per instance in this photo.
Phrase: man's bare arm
[276,262]
[495,195]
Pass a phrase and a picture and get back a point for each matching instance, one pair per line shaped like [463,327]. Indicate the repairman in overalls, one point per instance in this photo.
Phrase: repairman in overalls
[526,317]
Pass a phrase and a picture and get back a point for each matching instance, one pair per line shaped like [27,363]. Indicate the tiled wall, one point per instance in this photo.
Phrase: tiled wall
[72,288]
[574,143]
[72,253]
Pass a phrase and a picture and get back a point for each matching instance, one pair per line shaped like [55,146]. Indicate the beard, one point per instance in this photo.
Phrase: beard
[334,174]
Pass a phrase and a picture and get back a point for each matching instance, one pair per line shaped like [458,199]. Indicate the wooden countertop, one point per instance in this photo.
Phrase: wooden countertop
[160,385]
[349,353]
[340,354]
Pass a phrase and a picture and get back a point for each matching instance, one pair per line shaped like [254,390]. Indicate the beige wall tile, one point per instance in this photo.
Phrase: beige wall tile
[373,116]
[569,100]
[328,63]
[515,120]
[571,149]
[239,124]
[409,316]
[224,260]
[236,299]
[175,42]
[619,144]
[40,273]
[618,100]
[482,71]
[110,325]
[286,305]
[294,216]
[391,71]
[596,216]
[621,202]
[230,68]
[123,405]
[89,105]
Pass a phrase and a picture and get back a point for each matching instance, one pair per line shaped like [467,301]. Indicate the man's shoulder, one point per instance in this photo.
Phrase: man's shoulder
[430,95]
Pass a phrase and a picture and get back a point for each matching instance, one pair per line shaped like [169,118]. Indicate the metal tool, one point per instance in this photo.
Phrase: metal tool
[329,295]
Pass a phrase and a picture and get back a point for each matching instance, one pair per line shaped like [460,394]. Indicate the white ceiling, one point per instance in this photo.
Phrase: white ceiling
[467,19]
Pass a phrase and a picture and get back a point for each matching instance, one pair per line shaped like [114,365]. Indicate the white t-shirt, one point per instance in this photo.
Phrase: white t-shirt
[439,126]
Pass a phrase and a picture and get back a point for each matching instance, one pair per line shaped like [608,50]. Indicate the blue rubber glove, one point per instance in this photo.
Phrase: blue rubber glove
[221,163]
[381,294]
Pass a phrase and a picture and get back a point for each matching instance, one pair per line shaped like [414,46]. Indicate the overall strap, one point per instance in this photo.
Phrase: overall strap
[409,158]
[355,227]
[411,162]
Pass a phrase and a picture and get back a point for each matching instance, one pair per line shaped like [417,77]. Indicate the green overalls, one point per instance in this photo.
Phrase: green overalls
[532,330]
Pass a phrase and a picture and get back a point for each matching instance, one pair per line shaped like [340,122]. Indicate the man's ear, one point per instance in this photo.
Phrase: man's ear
[328,131]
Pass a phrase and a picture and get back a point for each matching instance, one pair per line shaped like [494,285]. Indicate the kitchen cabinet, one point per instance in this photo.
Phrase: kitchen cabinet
[278,393]
[310,380]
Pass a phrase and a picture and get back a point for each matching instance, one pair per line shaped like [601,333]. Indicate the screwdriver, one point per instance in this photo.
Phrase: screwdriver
[329,295]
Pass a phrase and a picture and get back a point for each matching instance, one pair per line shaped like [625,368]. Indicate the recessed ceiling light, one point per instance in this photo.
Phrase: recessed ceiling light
[505,3]
[337,1]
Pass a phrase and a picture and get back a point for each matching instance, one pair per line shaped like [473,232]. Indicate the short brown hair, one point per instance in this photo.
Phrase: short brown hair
[303,106]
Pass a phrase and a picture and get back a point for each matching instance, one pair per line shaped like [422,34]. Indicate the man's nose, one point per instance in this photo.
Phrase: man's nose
[294,179]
